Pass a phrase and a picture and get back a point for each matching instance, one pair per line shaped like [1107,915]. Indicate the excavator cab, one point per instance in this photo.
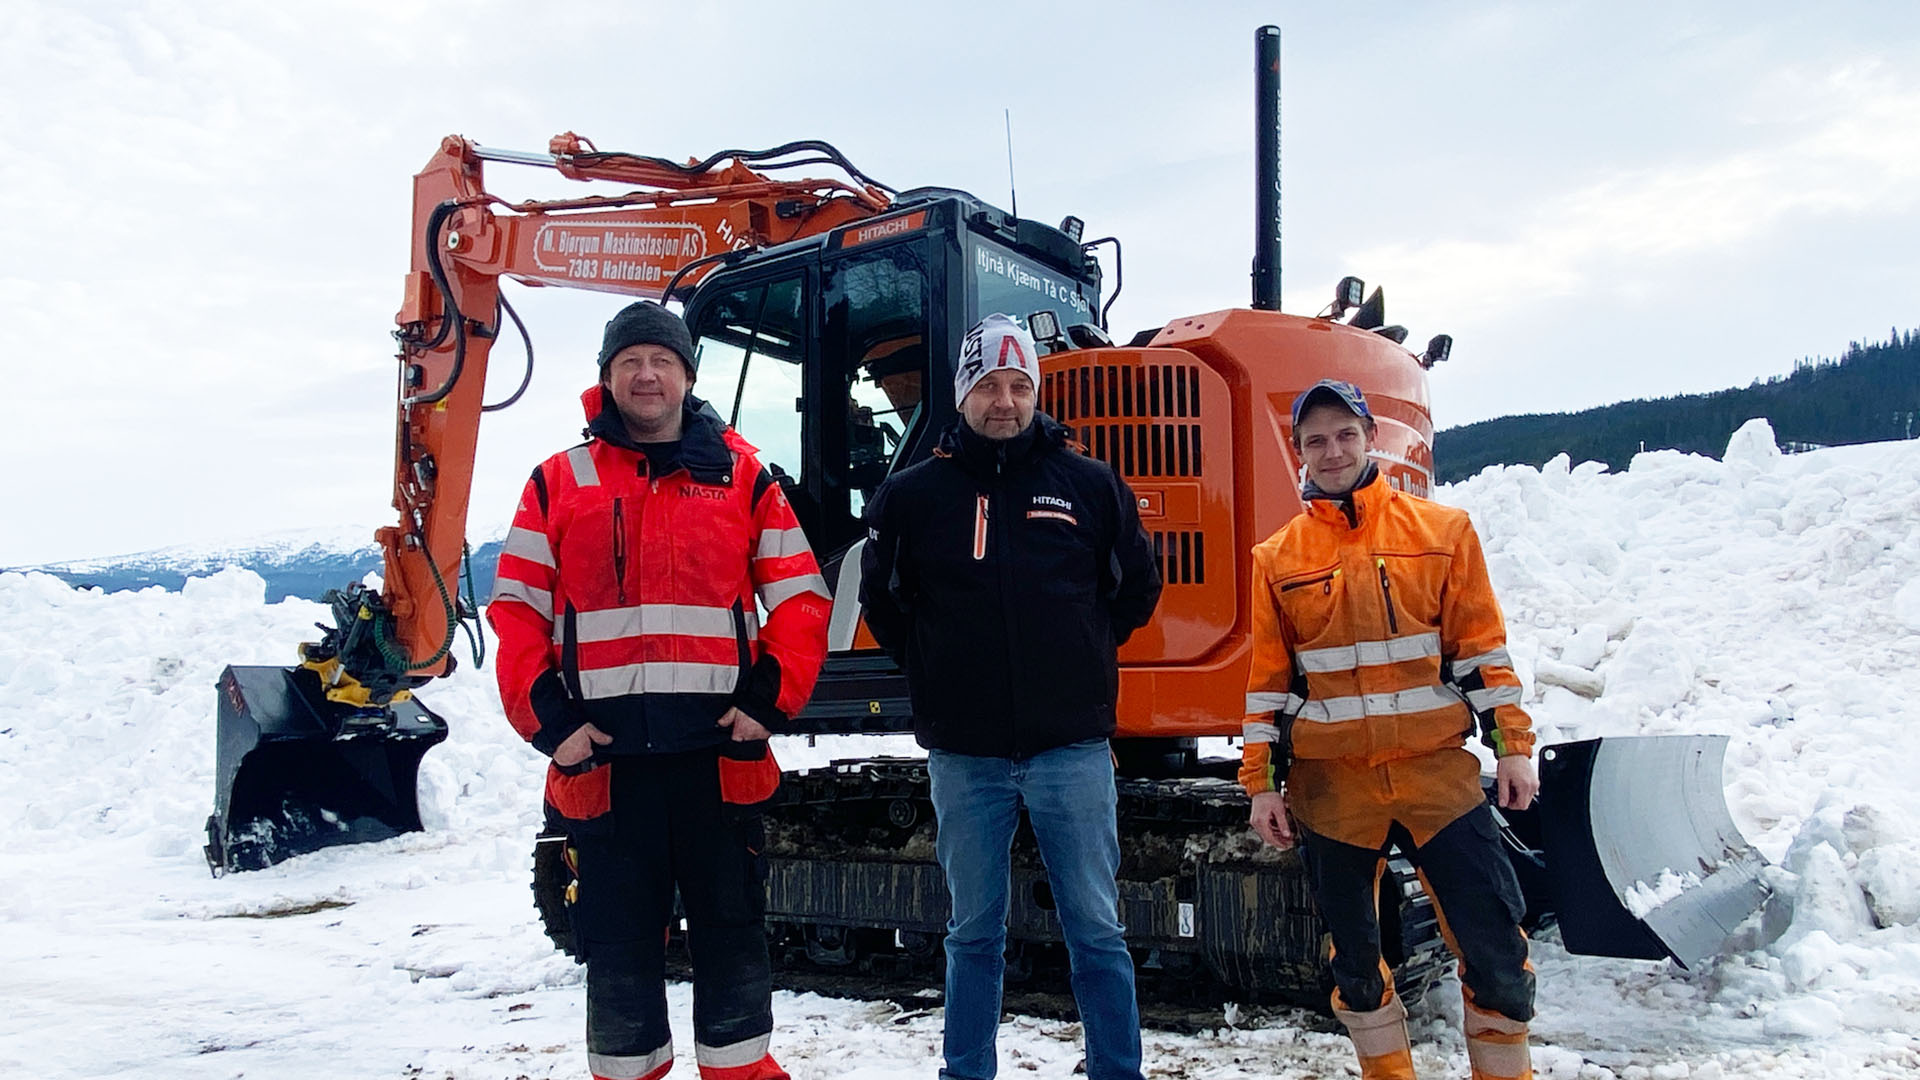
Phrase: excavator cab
[833,355]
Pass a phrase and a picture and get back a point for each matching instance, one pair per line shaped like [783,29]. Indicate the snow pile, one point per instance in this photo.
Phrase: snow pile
[1770,599]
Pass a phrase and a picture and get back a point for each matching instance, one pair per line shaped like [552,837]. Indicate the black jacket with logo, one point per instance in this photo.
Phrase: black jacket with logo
[1002,576]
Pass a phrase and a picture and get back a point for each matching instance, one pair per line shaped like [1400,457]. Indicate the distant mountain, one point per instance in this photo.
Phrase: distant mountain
[1872,394]
[304,564]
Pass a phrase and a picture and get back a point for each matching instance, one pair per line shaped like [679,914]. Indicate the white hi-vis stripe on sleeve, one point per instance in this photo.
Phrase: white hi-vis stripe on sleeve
[733,1055]
[1365,653]
[629,1066]
[1255,731]
[686,620]
[584,472]
[1341,709]
[779,543]
[1487,698]
[659,677]
[529,545]
[540,600]
[1262,701]
[1497,657]
[775,593]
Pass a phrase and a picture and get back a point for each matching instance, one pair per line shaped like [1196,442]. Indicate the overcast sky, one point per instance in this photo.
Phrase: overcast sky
[206,205]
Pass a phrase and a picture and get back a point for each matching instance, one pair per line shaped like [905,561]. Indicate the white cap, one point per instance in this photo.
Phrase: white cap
[997,342]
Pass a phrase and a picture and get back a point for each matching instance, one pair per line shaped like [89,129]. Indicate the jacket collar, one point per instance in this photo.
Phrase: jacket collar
[704,451]
[1364,503]
[979,454]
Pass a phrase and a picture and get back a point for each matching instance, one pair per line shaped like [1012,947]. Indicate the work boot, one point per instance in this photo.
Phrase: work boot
[1497,1047]
[1380,1039]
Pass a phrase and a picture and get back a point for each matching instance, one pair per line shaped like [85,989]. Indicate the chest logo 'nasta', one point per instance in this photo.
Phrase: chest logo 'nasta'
[697,491]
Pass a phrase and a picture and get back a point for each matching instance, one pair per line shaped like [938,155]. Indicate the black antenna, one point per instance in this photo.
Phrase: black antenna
[1266,169]
[1012,192]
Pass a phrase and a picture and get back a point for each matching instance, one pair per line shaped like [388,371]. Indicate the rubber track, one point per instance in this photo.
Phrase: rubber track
[879,809]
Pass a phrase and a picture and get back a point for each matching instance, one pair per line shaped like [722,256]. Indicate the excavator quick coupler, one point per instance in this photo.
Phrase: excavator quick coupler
[296,772]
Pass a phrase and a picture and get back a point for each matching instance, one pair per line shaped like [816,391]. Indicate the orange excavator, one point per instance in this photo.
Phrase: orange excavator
[822,309]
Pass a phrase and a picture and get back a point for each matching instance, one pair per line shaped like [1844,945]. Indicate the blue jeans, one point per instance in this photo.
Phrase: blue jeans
[1068,793]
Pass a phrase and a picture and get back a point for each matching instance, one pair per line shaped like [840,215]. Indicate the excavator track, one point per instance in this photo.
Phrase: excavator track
[857,904]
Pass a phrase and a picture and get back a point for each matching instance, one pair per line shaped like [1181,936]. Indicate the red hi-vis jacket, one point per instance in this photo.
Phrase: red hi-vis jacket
[628,596]
[1376,639]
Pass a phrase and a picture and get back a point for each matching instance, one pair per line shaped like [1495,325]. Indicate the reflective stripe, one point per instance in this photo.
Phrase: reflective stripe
[1417,700]
[775,593]
[733,1055]
[1380,1032]
[529,545]
[612,624]
[631,1066]
[584,472]
[779,543]
[1255,731]
[1501,1058]
[1494,695]
[1261,701]
[1364,653]
[540,600]
[659,677]
[1497,656]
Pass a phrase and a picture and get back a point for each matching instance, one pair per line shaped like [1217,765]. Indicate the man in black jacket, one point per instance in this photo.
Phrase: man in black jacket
[1002,573]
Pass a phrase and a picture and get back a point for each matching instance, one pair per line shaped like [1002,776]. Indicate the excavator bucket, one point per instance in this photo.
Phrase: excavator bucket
[1642,858]
[296,772]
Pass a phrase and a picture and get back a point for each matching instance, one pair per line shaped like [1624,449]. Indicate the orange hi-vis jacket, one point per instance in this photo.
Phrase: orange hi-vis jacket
[1377,645]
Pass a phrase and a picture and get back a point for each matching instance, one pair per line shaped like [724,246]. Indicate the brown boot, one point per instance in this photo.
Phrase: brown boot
[1380,1039]
[1497,1047]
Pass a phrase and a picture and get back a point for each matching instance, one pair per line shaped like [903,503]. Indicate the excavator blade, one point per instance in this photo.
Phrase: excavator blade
[296,772]
[1642,858]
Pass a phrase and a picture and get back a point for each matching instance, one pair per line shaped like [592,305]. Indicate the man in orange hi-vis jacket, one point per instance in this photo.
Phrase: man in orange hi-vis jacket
[632,653]
[1378,648]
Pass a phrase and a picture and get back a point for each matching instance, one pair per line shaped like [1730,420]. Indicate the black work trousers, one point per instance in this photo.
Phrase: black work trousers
[1473,889]
[670,828]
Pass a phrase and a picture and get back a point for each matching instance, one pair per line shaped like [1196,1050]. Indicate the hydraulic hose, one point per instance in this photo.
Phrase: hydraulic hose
[525,379]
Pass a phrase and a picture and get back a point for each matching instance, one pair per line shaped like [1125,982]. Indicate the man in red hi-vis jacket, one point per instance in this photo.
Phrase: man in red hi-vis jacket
[632,652]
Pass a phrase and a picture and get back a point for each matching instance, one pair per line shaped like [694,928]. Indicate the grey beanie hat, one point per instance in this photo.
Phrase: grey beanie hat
[646,323]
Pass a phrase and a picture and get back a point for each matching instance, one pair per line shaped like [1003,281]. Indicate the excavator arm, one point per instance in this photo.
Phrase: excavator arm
[327,751]
[665,234]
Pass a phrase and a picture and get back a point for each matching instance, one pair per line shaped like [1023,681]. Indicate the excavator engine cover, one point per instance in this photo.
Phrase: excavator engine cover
[1643,859]
[296,772]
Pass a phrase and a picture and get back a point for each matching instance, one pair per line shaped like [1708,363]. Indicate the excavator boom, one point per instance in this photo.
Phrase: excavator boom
[326,751]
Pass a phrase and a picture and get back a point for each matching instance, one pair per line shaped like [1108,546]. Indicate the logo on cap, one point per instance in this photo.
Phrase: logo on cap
[1343,393]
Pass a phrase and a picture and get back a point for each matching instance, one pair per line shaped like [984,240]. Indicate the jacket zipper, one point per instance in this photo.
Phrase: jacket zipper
[1324,579]
[620,551]
[1386,591]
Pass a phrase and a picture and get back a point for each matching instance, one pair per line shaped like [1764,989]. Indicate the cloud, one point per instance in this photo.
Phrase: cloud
[1857,152]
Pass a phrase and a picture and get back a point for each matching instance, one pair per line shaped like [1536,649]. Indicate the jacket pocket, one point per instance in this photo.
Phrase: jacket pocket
[749,775]
[1310,601]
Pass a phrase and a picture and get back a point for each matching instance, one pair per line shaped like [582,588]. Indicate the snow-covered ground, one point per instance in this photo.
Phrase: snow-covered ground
[1775,600]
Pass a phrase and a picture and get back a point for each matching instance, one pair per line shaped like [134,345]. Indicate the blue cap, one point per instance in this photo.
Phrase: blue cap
[1340,393]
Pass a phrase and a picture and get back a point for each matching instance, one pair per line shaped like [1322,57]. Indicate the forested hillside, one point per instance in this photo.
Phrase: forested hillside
[1871,394]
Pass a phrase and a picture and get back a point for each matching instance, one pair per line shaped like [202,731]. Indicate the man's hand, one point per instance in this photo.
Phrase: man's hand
[1269,819]
[745,728]
[578,746]
[1515,781]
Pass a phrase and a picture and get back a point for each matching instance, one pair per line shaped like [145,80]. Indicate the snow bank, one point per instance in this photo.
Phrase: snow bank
[1764,597]
[1771,599]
